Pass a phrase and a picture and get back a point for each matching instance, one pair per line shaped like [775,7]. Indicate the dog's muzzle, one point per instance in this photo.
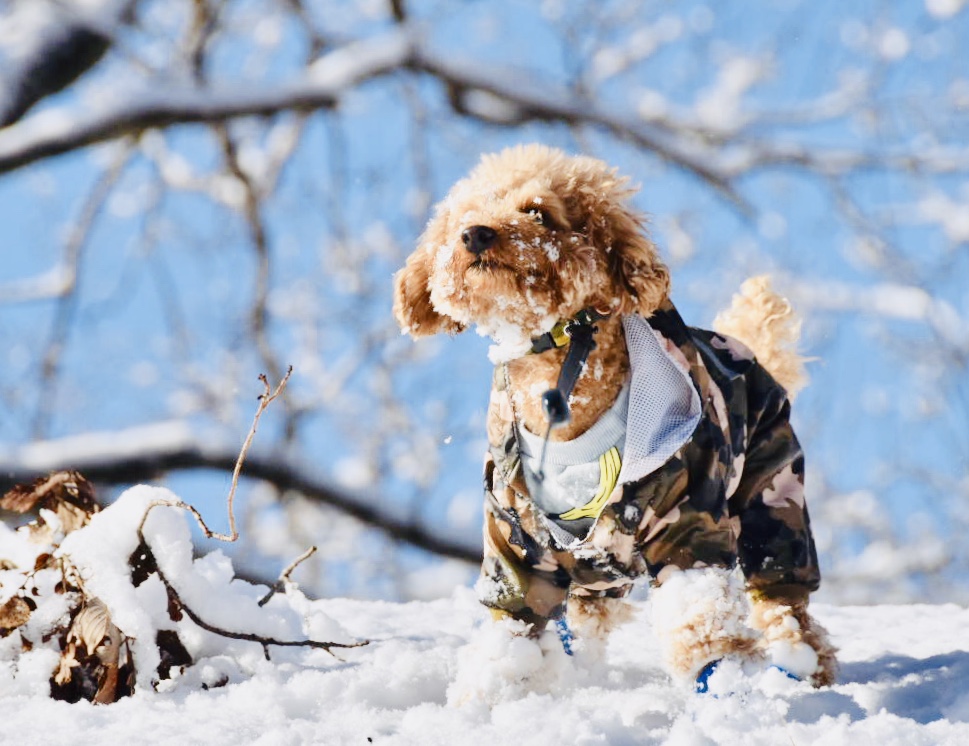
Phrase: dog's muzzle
[479,238]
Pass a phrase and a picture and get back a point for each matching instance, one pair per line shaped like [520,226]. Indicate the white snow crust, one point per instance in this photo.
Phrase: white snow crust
[904,676]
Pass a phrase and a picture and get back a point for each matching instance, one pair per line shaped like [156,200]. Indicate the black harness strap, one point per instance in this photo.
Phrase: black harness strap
[580,332]
[555,401]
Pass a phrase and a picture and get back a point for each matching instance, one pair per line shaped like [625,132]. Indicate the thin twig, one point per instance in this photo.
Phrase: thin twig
[284,575]
[264,400]
[247,636]
[280,585]
[398,11]
[205,19]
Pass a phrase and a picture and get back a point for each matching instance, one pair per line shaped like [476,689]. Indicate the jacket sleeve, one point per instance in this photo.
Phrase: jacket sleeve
[519,578]
[776,548]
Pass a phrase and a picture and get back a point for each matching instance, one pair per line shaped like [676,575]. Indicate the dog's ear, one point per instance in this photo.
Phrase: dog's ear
[412,298]
[641,279]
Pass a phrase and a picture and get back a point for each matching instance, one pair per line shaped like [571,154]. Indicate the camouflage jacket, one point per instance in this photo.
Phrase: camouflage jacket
[734,492]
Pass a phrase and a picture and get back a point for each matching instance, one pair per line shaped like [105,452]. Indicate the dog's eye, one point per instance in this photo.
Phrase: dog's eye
[541,217]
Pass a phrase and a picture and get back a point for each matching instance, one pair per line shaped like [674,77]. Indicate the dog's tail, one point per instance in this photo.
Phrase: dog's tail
[766,323]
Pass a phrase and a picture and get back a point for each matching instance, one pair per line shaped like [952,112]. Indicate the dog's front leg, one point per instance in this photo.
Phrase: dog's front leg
[592,618]
[700,616]
[513,654]
[519,577]
[506,660]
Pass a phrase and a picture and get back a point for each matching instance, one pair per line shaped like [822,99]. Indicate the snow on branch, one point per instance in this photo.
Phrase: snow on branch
[509,100]
[52,44]
[81,584]
[56,132]
[743,157]
[60,131]
[487,93]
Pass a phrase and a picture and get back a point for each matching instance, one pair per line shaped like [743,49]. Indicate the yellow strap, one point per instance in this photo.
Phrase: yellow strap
[609,463]
[558,334]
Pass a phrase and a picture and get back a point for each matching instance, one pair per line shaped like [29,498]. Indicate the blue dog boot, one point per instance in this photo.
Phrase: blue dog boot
[702,683]
[784,671]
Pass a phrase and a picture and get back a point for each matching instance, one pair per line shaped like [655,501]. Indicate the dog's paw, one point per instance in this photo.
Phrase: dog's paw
[795,641]
[503,663]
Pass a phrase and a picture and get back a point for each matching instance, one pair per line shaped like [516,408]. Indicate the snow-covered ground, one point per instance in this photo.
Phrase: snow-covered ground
[905,669]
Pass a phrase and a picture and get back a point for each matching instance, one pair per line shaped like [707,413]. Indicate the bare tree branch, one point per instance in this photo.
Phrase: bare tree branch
[247,636]
[252,213]
[161,106]
[154,454]
[487,95]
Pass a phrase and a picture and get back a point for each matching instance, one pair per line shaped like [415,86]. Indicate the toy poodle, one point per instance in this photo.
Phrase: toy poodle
[655,451]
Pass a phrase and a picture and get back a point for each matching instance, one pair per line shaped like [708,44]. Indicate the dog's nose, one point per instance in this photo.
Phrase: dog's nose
[478,238]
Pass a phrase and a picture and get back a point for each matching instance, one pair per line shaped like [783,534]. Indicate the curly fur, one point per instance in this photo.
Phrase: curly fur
[592,619]
[766,323]
[566,239]
[592,251]
[700,615]
[791,633]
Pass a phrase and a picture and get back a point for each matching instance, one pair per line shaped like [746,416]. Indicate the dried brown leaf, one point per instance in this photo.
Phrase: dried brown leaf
[221,681]
[172,651]
[92,625]
[142,563]
[20,498]
[68,487]
[71,516]
[109,651]
[40,532]
[80,492]
[68,662]
[14,613]
[108,688]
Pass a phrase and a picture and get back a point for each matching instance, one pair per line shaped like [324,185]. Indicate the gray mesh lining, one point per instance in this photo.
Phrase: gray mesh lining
[664,406]
[663,411]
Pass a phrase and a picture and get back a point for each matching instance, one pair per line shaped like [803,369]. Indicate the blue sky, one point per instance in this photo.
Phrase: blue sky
[346,203]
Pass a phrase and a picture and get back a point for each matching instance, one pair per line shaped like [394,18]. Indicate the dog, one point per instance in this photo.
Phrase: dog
[677,462]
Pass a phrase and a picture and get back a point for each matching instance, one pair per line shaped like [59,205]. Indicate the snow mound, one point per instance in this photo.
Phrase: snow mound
[119,604]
